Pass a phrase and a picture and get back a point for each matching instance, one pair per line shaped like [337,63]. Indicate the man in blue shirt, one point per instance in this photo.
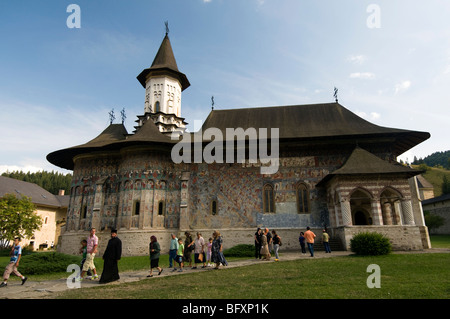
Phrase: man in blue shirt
[16,253]
[173,250]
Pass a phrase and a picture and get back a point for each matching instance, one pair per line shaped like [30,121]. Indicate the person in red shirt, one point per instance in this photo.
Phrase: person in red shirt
[310,236]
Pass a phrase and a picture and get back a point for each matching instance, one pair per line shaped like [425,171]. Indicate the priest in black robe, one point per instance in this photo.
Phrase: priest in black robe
[111,256]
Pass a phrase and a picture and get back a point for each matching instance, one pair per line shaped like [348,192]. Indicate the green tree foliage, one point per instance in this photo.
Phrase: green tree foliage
[433,221]
[50,181]
[445,185]
[17,219]
[435,159]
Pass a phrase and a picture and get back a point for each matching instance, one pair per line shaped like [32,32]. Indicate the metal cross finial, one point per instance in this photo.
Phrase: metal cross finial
[167,27]
[123,115]
[212,102]
[335,94]
[112,117]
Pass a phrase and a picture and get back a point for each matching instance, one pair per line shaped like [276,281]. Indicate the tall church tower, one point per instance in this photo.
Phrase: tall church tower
[163,84]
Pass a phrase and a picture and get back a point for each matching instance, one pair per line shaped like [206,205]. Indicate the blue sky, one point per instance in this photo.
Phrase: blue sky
[391,64]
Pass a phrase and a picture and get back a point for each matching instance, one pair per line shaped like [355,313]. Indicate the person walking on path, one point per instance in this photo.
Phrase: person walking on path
[258,244]
[92,245]
[180,254]
[112,255]
[326,241]
[83,252]
[217,256]
[173,250]
[199,251]
[276,243]
[208,251]
[155,251]
[15,254]
[269,240]
[189,247]
[301,239]
[310,236]
[265,245]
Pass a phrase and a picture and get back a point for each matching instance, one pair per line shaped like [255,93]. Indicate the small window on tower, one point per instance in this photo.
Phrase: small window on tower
[214,207]
[157,107]
[161,208]
[84,211]
[137,207]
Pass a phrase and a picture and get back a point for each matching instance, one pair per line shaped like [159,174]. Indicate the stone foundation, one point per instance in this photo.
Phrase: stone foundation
[136,242]
[401,237]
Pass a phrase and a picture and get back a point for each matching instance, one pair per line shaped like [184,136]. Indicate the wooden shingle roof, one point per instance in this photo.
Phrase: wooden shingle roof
[362,162]
[312,121]
[164,63]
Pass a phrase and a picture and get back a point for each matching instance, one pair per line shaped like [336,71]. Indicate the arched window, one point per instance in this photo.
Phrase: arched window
[302,199]
[157,107]
[268,199]
[214,207]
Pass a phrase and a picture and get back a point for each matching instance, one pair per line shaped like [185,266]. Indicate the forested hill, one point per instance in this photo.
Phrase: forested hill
[435,159]
[50,181]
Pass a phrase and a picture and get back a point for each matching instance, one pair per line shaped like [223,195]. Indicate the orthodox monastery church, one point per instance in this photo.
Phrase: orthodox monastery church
[333,170]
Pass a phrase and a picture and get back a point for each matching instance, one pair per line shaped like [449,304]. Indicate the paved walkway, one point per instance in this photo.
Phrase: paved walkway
[45,289]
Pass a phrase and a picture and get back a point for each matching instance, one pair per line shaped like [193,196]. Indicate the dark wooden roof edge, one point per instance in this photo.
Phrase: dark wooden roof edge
[363,163]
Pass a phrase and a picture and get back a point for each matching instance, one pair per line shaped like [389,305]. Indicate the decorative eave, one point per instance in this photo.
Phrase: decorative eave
[364,163]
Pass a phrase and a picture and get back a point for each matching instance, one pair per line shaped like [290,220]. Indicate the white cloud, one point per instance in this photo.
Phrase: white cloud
[369,117]
[25,168]
[362,75]
[357,59]
[403,86]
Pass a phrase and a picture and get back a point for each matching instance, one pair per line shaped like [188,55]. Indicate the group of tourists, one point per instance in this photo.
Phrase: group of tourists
[180,252]
[111,256]
[265,243]
[308,238]
[208,254]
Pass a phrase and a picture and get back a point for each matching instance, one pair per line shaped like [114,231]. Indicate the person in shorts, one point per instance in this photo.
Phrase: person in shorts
[11,268]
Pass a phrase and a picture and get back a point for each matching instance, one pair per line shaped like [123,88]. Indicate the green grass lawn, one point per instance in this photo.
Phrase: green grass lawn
[440,241]
[403,276]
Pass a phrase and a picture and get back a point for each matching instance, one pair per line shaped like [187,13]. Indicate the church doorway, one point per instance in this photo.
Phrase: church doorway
[360,218]
[360,204]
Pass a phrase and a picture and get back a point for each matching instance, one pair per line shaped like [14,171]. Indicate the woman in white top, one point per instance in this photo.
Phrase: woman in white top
[199,251]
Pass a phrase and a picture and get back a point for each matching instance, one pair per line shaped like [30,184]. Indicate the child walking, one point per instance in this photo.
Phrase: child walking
[180,253]
[83,252]
[16,253]
[208,252]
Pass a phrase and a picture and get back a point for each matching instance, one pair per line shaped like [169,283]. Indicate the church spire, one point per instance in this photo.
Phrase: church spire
[163,83]
[164,61]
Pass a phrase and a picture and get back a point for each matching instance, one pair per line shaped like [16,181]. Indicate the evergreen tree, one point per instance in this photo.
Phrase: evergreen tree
[445,185]
[50,181]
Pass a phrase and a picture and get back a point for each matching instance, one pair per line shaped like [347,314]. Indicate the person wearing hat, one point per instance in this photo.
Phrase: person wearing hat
[111,256]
